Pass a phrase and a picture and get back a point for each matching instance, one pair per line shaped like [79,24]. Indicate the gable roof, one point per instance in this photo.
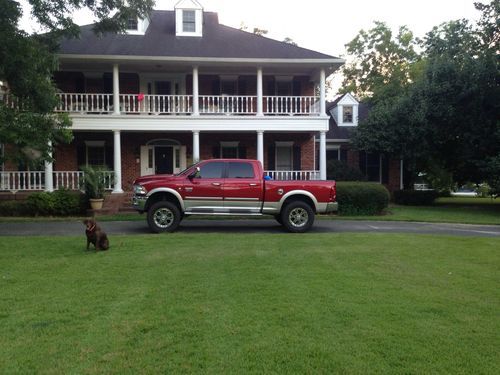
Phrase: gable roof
[218,41]
[344,132]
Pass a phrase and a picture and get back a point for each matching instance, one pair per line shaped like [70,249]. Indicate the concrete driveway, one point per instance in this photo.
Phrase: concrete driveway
[192,225]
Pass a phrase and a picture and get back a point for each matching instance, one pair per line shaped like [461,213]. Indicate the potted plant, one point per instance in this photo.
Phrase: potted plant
[93,183]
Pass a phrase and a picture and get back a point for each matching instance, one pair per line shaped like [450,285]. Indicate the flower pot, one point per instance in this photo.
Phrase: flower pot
[96,204]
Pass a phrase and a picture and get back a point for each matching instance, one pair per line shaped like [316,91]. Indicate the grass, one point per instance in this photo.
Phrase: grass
[279,303]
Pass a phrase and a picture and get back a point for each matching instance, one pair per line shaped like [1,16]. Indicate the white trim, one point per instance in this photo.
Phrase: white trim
[283,143]
[200,123]
[117,162]
[110,58]
[230,143]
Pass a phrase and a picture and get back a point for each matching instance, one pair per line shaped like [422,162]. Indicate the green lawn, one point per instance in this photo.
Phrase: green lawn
[206,303]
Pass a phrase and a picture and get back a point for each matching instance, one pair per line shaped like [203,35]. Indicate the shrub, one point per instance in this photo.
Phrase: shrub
[59,203]
[340,171]
[415,197]
[14,208]
[361,198]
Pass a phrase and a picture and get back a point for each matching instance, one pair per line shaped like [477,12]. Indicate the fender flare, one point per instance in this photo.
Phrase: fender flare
[170,191]
[298,192]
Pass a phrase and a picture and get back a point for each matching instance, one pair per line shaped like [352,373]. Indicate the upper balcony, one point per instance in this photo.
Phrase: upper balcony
[244,105]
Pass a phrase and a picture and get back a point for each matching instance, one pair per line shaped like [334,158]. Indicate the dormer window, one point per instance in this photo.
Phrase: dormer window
[189,21]
[132,24]
[188,18]
[347,114]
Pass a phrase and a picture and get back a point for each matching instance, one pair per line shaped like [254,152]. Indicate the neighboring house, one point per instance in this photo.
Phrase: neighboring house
[345,113]
[180,87]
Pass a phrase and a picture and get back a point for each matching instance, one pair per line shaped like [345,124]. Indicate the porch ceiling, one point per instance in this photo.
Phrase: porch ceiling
[221,66]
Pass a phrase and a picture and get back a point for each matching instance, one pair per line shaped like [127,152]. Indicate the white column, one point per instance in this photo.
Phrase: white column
[260,147]
[49,181]
[260,98]
[196,94]
[322,155]
[117,162]
[322,93]
[196,146]
[116,90]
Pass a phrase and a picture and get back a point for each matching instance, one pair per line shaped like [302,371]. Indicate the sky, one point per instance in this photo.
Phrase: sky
[325,25]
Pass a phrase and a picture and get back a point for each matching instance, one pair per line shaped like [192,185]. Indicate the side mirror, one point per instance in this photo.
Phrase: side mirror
[195,173]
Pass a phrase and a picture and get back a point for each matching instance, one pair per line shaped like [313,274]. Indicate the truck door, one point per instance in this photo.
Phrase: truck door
[203,193]
[242,188]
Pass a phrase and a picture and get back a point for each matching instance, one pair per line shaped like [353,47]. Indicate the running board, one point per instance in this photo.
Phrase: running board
[223,213]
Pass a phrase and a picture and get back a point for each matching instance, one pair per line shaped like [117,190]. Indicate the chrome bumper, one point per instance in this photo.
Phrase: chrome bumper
[139,202]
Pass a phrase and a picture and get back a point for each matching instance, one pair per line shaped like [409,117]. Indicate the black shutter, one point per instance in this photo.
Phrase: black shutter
[297,88]
[271,87]
[242,85]
[385,169]
[216,86]
[362,162]
[343,155]
[271,152]
[81,156]
[297,151]
[109,155]
[216,152]
[242,152]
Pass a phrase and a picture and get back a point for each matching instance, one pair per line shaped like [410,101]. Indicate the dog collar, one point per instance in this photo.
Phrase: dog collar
[91,228]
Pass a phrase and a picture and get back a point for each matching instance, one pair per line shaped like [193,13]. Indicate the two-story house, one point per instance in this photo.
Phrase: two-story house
[179,87]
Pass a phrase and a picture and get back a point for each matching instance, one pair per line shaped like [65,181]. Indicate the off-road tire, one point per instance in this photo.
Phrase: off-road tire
[297,217]
[163,216]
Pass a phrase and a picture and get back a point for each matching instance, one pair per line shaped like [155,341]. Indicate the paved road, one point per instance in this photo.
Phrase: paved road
[73,228]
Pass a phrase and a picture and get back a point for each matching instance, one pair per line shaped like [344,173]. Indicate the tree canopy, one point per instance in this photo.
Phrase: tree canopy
[438,108]
[27,63]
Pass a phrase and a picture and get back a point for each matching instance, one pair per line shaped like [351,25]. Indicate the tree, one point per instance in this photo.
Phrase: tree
[382,64]
[289,41]
[27,62]
[442,113]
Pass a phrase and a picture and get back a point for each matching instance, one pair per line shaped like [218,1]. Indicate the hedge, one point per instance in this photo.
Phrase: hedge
[361,198]
[415,197]
[58,203]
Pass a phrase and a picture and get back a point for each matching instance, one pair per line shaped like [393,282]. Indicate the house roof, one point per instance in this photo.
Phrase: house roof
[218,41]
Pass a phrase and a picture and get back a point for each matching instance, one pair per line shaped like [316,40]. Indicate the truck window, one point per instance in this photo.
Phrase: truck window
[212,170]
[240,170]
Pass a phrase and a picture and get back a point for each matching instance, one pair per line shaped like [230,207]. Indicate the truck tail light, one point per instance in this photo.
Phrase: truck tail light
[333,192]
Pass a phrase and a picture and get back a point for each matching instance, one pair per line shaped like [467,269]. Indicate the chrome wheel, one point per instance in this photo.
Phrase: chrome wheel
[297,217]
[163,217]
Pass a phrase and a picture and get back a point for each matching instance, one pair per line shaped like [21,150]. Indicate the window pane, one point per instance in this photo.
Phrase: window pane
[332,154]
[284,158]
[373,167]
[212,170]
[240,170]
[188,21]
[95,156]
[132,24]
[347,113]
[229,152]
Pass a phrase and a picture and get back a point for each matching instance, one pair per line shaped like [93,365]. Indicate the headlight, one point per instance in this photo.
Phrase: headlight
[139,189]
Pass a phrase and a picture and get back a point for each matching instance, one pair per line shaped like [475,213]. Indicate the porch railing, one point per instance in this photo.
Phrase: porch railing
[182,104]
[291,105]
[35,180]
[85,103]
[228,104]
[293,175]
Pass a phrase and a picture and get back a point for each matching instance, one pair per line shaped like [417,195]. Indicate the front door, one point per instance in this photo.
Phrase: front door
[164,160]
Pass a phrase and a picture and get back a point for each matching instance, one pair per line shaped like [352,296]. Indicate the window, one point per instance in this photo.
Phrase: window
[370,164]
[284,157]
[347,114]
[240,170]
[96,156]
[283,88]
[132,24]
[228,87]
[188,21]
[212,170]
[95,153]
[229,150]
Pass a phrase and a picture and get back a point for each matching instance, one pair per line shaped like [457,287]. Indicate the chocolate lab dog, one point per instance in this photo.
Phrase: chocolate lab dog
[95,235]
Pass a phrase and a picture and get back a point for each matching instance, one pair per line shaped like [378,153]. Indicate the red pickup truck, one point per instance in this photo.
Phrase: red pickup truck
[230,187]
